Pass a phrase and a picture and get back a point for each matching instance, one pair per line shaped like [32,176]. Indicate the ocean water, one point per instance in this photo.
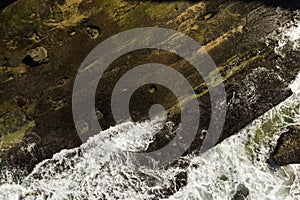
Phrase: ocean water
[99,169]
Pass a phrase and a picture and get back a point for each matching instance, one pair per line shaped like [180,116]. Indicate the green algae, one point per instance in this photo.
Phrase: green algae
[9,140]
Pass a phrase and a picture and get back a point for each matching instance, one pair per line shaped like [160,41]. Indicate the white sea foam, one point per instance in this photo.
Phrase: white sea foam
[241,159]
[97,169]
[288,34]
[295,86]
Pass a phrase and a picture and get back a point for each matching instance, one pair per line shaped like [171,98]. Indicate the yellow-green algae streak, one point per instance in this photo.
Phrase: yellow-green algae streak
[9,140]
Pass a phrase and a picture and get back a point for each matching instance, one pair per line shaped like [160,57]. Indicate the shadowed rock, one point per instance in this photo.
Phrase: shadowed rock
[5,3]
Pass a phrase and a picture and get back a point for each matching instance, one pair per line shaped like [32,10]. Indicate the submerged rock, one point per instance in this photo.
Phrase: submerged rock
[241,193]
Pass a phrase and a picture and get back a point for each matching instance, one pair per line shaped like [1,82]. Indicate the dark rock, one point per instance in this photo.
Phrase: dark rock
[287,150]
[5,3]
[36,57]
[93,31]
[241,193]
[26,154]
[224,178]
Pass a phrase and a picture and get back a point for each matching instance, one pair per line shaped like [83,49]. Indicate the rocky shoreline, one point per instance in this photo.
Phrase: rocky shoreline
[36,91]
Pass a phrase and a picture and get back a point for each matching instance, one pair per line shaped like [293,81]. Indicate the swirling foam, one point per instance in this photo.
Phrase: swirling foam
[98,170]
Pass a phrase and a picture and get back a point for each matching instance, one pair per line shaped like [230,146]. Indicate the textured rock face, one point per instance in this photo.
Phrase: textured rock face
[233,32]
[288,148]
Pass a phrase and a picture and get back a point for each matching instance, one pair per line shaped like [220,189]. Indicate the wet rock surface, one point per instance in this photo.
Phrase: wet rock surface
[233,32]
[241,193]
[288,148]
